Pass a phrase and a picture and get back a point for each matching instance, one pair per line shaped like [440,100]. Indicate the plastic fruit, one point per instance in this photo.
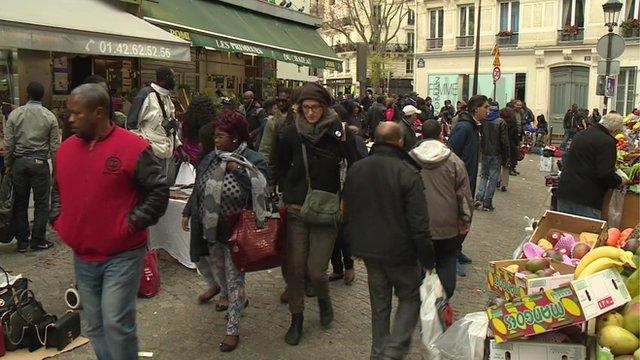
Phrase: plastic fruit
[534,265]
[610,318]
[618,340]
[599,265]
[580,250]
[553,236]
[614,237]
[631,315]
[543,243]
[605,251]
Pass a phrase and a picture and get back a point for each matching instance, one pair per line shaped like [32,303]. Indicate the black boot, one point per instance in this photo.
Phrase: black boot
[295,330]
[326,312]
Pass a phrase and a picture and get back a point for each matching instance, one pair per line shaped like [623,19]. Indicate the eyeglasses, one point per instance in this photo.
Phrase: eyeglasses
[313,108]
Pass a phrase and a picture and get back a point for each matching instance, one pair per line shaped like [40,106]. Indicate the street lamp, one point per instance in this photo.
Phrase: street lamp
[611,13]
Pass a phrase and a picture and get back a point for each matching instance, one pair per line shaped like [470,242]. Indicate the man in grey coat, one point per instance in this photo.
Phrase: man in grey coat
[449,200]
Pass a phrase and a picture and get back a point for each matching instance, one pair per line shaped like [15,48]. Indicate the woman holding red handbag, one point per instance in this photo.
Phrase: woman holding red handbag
[227,179]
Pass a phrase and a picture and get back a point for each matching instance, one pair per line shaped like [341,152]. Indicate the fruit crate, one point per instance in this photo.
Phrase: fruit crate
[567,223]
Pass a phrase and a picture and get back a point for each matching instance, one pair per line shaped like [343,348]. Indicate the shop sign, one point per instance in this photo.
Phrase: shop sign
[441,88]
[344,81]
[235,47]
[297,59]
[184,35]
[420,63]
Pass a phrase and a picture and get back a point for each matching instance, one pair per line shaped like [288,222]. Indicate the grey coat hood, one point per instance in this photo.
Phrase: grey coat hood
[430,154]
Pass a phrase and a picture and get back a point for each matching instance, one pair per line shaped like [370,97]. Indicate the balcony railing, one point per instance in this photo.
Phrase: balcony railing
[571,36]
[464,42]
[507,40]
[399,48]
[434,43]
[632,33]
[340,48]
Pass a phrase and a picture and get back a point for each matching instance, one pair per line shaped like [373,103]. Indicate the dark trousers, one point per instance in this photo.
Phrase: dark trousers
[446,251]
[30,173]
[383,279]
[341,258]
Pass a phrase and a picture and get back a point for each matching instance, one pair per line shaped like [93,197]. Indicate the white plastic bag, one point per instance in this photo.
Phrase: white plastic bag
[431,291]
[463,340]
[186,174]
[616,205]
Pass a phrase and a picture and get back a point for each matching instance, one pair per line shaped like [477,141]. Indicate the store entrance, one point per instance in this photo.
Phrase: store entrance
[80,69]
[569,85]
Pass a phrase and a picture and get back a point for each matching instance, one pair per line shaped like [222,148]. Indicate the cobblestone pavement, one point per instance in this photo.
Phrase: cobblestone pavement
[172,326]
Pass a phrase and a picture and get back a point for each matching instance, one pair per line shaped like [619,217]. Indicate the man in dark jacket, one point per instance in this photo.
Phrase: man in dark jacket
[367,99]
[465,136]
[386,188]
[409,116]
[570,125]
[430,109]
[255,114]
[495,151]
[106,165]
[589,170]
[375,115]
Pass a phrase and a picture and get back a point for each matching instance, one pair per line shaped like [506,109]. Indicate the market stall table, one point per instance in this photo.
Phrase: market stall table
[167,234]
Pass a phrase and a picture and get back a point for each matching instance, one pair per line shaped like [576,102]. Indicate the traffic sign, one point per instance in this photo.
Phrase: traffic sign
[496,55]
[614,68]
[611,85]
[617,45]
[496,73]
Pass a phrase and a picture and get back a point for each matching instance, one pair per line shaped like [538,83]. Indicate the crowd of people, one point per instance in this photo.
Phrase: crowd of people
[417,181]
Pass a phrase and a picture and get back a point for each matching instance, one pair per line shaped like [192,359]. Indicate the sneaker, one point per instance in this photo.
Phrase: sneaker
[23,247]
[477,204]
[487,208]
[42,246]
[503,189]
[464,259]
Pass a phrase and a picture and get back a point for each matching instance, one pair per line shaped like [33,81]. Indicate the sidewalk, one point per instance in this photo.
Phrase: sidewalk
[172,326]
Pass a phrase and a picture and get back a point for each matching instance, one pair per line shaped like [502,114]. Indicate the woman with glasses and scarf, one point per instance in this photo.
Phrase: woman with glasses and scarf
[328,147]
[228,180]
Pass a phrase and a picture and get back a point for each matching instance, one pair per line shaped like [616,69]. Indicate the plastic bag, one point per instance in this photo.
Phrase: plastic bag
[186,174]
[150,276]
[463,340]
[431,295]
[616,205]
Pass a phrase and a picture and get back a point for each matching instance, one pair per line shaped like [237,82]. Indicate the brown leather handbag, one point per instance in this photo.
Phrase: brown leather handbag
[256,249]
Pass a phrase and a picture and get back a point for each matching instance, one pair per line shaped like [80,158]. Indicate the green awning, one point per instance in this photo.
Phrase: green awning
[228,28]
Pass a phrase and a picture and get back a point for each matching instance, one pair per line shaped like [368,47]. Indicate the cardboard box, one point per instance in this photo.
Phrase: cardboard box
[575,303]
[510,286]
[546,164]
[534,350]
[553,220]
[630,211]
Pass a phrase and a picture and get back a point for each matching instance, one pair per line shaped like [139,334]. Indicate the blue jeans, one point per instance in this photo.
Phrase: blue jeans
[570,207]
[488,179]
[108,293]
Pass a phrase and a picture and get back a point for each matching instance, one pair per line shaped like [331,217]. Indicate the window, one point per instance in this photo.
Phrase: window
[411,17]
[467,20]
[347,66]
[436,22]
[626,90]
[410,40]
[409,66]
[510,16]
[632,9]
[313,71]
[572,13]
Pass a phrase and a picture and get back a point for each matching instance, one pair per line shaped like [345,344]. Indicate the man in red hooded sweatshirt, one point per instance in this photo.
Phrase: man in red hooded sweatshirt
[109,187]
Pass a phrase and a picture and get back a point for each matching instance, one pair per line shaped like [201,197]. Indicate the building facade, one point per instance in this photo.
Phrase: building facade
[354,75]
[547,53]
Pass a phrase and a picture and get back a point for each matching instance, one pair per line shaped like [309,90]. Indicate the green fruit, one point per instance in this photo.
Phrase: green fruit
[623,357]
[633,283]
[619,340]
[610,318]
[631,315]
[534,265]
[636,354]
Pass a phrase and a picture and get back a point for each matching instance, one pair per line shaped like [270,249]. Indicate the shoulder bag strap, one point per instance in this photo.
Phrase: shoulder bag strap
[306,163]
[164,112]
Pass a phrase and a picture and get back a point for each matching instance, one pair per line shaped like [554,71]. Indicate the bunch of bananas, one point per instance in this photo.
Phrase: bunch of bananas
[602,258]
